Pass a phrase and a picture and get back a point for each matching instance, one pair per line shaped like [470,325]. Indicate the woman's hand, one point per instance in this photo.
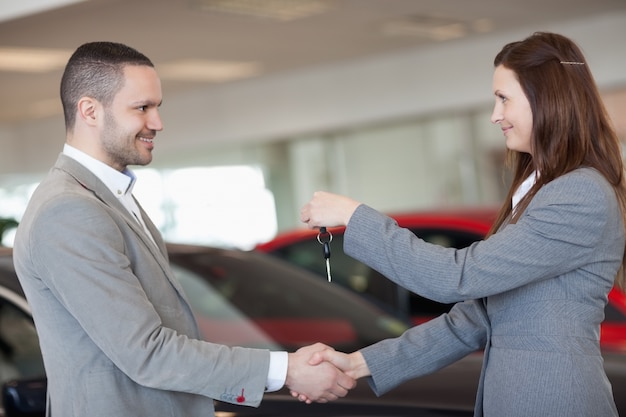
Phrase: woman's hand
[328,210]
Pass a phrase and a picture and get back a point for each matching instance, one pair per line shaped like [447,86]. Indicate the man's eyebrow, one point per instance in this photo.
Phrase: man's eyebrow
[148,103]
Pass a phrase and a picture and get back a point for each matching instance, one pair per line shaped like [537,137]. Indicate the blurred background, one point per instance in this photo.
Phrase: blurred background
[267,101]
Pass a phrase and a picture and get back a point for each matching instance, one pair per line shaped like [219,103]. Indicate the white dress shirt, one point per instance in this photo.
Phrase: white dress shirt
[523,189]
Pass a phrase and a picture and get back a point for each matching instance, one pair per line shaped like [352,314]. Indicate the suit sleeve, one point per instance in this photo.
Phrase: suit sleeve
[428,347]
[559,232]
[81,254]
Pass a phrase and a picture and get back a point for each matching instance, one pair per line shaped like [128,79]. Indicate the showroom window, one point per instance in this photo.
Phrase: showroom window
[225,206]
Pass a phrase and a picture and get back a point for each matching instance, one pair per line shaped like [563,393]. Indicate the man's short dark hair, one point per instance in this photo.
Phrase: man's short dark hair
[96,70]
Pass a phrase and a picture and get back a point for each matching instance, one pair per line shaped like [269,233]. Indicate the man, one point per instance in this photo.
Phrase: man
[117,335]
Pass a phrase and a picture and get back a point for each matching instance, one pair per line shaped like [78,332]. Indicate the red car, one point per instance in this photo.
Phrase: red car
[452,228]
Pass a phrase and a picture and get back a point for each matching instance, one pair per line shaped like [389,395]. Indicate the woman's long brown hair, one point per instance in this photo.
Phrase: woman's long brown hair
[571,128]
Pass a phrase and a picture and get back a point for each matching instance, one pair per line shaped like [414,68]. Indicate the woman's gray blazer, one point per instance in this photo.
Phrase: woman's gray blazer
[532,296]
[117,334]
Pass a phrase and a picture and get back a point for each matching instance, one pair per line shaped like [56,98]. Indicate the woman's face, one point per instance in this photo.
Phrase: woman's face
[512,110]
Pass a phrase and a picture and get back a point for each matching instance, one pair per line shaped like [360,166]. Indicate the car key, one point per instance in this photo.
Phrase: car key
[325,242]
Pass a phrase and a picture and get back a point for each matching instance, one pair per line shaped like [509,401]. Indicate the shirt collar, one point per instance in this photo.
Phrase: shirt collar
[524,187]
[120,183]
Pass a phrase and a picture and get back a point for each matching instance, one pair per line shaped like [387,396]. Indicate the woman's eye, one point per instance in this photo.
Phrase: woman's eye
[502,99]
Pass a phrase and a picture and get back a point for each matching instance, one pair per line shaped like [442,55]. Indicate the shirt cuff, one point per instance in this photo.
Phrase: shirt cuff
[277,373]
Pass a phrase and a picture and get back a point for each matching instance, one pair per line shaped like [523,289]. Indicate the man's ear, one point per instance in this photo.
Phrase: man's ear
[88,110]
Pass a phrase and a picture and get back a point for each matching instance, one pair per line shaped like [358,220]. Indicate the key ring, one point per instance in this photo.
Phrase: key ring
[323,231]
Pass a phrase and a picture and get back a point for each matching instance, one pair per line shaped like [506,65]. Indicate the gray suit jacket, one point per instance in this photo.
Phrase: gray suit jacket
[536,289]
[117,335]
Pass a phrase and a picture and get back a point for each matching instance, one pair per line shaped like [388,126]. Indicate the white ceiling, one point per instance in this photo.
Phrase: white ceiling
[171,31]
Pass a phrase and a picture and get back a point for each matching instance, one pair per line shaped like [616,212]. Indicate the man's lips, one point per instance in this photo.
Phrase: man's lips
[148,142]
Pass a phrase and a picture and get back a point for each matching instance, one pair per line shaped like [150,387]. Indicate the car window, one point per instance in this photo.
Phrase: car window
[613,315]
[345,270]
[370,284]
[20,355]
[292,307]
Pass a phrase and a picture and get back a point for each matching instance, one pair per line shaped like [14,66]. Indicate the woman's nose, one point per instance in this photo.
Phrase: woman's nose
[496,115]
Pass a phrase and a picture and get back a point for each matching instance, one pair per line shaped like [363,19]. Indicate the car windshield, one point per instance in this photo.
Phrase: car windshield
[250,299]
[219,321]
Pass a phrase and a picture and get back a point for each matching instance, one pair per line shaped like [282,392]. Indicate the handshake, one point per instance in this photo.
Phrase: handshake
[321,374]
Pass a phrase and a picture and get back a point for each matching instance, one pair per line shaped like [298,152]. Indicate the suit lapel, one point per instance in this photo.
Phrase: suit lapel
[91,182]
[156,234]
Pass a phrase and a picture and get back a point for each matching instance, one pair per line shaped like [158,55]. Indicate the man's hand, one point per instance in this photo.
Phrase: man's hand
[353,365]
[321,382]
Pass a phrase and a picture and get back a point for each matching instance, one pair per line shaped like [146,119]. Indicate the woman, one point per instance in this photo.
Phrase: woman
[532,294]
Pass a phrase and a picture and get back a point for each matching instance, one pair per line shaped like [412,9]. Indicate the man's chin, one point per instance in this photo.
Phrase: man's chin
[143,161]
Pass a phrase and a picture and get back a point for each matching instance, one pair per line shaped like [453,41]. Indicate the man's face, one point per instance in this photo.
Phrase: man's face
[132,120]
